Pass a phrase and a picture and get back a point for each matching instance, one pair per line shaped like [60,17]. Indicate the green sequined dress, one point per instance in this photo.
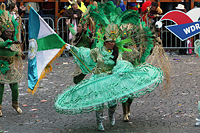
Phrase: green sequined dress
[108,83]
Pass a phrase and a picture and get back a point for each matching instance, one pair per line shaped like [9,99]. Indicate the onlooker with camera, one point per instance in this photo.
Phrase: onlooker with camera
[74,14]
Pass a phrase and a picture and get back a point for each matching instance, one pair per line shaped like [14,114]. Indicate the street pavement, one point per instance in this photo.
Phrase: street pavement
[151,113]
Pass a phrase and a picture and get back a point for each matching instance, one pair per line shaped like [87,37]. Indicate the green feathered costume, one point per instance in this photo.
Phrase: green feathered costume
[10,58]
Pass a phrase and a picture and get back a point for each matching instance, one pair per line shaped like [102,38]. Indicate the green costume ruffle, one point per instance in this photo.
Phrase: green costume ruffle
[100,90]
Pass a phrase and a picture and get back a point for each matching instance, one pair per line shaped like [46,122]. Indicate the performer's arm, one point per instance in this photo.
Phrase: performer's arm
[70,27]
[6,43]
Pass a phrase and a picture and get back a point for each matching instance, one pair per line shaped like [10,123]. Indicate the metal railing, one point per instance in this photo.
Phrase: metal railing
[63,31]
[48,20]
[169,40]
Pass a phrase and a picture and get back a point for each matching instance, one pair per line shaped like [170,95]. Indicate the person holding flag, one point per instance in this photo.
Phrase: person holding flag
[112,79]
[10,57]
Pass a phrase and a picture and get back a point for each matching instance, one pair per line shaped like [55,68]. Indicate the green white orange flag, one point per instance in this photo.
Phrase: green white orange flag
[44,47]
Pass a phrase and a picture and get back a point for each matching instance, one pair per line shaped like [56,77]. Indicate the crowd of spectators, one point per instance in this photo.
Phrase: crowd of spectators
[74,10]
[47,9]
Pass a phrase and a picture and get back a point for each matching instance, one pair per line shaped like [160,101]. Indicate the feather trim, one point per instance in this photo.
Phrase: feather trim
[145,5]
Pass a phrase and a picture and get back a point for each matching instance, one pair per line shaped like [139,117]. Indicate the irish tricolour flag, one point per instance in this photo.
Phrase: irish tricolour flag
[44,47]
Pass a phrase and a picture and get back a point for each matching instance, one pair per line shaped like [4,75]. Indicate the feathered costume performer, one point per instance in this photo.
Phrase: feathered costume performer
[10,57]
[113,80]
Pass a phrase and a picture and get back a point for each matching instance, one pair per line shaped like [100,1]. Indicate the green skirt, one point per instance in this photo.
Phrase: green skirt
[101,90]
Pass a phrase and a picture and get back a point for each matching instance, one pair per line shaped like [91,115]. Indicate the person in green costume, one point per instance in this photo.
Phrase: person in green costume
[103,65]
[10,54]
[113,79]
[83,38]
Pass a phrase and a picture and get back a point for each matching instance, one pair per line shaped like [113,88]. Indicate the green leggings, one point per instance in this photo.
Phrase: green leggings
[15,92]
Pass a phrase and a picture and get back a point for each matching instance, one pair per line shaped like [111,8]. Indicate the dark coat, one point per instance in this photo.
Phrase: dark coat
[70,14]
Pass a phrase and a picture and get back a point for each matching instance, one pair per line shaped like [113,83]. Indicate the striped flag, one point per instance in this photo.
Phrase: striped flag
[44,47]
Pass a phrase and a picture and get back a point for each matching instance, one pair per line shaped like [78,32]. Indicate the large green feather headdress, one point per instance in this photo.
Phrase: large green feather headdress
[124,28]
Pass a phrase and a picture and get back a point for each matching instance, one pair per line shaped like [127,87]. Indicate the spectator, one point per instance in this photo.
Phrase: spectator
[21,9]
[34,5]
[154,12]
[134,6]
[13,10]
[181,8]
[151,10]
[74,14]
[81,6]
[155,9]
[122,6]
[182,43]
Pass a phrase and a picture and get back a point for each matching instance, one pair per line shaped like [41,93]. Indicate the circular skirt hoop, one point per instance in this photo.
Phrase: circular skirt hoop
[102,90]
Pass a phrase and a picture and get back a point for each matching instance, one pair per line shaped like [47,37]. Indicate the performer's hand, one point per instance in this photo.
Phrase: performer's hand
[15,42]
[67,21]
[68,47]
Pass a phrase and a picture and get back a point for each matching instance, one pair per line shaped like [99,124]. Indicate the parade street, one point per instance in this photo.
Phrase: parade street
[151,113]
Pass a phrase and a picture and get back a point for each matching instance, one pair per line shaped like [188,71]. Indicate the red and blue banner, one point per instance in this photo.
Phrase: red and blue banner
[186,24]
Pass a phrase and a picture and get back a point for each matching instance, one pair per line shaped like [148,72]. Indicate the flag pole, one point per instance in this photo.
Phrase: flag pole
[80,60]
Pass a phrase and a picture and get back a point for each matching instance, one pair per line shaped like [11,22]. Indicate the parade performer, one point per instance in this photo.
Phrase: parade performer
[113,79]
[10,57]
[83,38]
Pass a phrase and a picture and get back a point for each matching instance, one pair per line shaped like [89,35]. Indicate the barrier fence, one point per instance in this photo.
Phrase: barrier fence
[24,32]
[169,40]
